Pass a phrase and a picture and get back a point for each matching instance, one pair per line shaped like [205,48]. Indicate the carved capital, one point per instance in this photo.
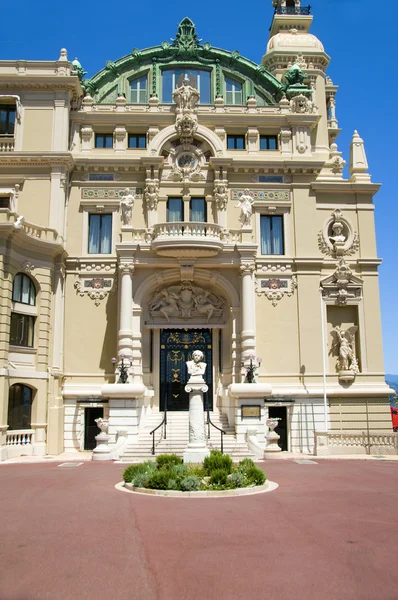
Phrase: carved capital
[126,267]
[247,268]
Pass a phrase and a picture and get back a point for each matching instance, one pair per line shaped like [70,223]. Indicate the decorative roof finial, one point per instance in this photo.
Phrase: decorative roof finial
[358,161]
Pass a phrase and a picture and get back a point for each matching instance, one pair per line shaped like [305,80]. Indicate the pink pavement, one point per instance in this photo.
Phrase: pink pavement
[328,532]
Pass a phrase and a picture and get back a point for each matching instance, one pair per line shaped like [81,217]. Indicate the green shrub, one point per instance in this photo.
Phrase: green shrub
[255,476]
[159,480]
[132,470]
[217,461]
[168,459]
[140,480]
[219,477]
[172,484]
[190,484]
[246,463]
[180,471]
[236,479]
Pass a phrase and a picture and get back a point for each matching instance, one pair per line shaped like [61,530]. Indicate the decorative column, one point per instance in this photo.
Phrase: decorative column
[248,312]
[125,334]
[197,449]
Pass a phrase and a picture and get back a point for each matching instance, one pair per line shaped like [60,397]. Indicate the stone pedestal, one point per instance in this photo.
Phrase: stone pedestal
[102,450]
[347,376]
[197,449]
[272,439]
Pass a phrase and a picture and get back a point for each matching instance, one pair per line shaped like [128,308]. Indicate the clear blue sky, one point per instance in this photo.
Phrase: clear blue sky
[359,35]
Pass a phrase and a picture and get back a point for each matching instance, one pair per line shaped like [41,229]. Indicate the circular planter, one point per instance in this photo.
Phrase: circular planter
[269,486]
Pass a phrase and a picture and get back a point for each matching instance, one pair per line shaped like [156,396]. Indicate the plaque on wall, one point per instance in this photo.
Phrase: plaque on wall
[251,412]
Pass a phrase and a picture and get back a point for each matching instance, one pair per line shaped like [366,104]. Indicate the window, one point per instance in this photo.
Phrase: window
[22,327]
[175,210]
[7,119]
[236,142]
[268,142]
[19,406]
[137,140]
[104,140]
[172,78]
[271,235]
[198,210]
[233,91]
[99,234]
[139,90]
[23,290]
[5,202]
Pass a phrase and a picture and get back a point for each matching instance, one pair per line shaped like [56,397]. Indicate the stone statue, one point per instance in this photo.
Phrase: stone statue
[184,302]
[102,424]
[196,367]
[220,194]
[338,236]
[151,195]
[186,96]
[126,207]
[246,208]
[166,302]
[345,344]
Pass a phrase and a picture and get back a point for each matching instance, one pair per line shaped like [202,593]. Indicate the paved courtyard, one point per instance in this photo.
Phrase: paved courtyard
[329,531]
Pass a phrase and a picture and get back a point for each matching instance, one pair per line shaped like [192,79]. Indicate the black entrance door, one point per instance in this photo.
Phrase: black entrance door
[176,347]
[90,426]
[280,412]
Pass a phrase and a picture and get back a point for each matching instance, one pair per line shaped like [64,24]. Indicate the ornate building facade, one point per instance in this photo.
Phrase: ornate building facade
[186,198]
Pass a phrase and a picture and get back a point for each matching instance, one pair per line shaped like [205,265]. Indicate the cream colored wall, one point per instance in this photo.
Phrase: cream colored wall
[34,201]
[90,332]
[303,214]
[38,129]
[373,331]
[360,414]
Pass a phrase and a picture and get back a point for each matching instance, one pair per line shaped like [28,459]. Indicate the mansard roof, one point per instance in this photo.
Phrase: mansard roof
[185,50]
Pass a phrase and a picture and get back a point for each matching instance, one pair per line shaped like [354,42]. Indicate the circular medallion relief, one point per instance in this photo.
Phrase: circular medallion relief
[187,161]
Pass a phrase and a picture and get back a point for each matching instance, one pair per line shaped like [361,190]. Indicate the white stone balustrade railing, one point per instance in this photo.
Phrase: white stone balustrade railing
[361,442]
[6,144]
[187,230]
[45,234]
[20,437]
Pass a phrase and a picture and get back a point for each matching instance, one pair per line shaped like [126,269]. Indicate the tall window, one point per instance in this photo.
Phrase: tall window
[19,406]
[268,142]
[233,91]
[272,235]
[22,329]
[175,210]
[172,78]
[100,234]
[139,94]
[236,142]
[23,290]
[198,210]
[7,119]
[104,140]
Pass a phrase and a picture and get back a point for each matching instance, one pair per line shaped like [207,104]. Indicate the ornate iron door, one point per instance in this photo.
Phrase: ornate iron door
[176,347]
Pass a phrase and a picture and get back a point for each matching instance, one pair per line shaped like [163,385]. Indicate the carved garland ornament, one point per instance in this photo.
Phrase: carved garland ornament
[97,289]
[343,285]
[275,289]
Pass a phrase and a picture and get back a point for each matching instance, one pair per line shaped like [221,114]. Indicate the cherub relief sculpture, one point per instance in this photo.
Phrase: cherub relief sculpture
[185,301]
[246,208]
[344,344]
[126,207]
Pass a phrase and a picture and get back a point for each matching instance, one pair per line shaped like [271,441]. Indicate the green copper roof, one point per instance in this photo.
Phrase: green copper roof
[184,50]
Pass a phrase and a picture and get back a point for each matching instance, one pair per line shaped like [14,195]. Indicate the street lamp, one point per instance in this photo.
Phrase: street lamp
[123,368]
[252,367]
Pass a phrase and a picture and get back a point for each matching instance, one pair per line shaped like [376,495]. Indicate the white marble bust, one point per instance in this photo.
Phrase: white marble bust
[196,367]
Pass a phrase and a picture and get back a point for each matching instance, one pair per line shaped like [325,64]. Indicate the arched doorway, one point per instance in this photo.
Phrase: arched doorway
[19,407]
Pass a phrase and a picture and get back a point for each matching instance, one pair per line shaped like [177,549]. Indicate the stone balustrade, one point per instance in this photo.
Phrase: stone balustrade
[187,230]
[360,442]
[37,232]
[6,144]
[20,437]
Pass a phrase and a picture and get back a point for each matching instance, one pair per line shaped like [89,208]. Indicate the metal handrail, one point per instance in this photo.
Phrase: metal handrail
[164,422]
[210,422]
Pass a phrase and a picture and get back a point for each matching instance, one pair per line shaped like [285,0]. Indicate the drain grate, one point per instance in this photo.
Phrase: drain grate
[74,464]
[305,462]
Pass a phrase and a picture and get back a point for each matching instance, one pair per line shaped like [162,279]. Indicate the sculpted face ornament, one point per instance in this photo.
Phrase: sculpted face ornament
[196,366]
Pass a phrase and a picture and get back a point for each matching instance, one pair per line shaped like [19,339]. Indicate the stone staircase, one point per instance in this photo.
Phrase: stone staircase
[178,435]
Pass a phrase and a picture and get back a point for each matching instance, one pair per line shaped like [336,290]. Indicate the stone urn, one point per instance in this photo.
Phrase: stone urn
[102,450]
[272,437]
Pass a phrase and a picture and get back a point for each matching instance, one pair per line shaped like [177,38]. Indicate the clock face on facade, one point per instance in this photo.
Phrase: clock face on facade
[186,161]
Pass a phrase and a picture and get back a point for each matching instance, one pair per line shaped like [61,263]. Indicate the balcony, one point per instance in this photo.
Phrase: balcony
[293,10]
[188,240]
[6,144]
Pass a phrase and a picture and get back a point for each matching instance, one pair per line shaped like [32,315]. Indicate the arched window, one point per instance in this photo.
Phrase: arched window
[19,406]
[139,93]
[172,78]
[23,290]
[233,91]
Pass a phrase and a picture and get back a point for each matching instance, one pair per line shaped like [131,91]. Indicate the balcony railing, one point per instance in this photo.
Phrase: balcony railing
[6,144]
[292,10]
[20,437]
[181,229]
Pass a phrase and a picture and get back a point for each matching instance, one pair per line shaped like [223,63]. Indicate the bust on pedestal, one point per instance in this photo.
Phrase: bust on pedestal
[197,449]
[102,450]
